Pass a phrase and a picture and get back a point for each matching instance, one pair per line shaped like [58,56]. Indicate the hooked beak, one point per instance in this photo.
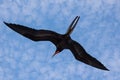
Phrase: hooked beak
[56,52]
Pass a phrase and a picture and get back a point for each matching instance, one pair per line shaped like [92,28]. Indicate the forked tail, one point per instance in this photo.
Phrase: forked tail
[72,25]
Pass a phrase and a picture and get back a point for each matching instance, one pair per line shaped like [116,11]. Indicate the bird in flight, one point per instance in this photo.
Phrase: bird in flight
[61,41]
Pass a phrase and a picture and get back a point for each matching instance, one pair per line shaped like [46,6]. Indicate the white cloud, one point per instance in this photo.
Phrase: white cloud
[98,31]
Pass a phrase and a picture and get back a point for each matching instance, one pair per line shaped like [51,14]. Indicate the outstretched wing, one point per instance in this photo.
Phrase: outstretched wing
[35,35]
[81,55]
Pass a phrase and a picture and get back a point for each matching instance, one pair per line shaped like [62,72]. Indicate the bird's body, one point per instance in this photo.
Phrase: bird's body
[61,41]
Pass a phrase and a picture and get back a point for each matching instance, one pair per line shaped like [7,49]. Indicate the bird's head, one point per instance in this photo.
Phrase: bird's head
[58,50]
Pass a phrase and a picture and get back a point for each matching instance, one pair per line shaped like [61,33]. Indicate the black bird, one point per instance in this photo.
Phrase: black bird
[61,41]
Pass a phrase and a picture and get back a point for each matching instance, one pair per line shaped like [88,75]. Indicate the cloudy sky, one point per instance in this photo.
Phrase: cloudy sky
[98,30]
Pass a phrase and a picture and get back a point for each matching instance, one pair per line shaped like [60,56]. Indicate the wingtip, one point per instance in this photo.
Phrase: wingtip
[106,69]
[5,22]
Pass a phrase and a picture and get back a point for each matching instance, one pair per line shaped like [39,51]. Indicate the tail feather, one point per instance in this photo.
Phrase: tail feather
[72,25]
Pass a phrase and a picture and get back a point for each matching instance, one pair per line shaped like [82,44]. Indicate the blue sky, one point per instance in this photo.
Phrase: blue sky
[98,30]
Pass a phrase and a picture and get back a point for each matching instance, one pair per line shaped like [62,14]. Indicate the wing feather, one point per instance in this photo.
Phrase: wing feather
[81,55]
[35,35]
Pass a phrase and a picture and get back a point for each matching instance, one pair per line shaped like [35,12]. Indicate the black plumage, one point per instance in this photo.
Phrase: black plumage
[61,41]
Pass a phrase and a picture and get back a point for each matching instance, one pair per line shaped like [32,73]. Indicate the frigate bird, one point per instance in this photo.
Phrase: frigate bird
[61,41]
